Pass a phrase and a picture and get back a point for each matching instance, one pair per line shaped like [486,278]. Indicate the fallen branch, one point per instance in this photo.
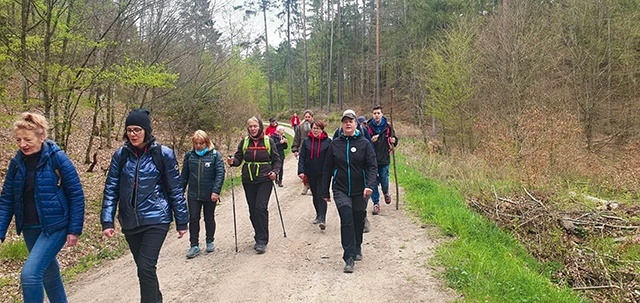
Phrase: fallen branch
[596,287]
[579,222]
[534,198]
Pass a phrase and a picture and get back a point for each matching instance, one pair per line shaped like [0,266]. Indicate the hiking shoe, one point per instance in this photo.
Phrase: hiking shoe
[387,198]
[317,220]
[348,266]
[358,257]
[322,224]
[210,247]
[261,248]
[280,185]
[193,252]
[376,209]
[367,226]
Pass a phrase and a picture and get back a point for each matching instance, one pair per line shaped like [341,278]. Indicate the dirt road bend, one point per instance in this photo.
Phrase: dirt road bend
[306,266]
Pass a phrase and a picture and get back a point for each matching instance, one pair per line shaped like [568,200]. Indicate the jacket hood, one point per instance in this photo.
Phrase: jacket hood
[322,135]
[260,130]
[48,147]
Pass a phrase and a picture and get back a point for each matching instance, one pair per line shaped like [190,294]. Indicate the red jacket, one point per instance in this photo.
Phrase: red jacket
[295,120]
[270,130]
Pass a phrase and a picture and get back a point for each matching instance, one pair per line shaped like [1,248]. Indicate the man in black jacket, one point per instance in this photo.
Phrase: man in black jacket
[351,161]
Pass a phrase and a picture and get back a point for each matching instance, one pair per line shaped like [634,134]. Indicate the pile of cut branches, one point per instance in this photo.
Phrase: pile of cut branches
[592,250]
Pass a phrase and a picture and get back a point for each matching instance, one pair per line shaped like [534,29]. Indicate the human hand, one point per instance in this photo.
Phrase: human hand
[72,240]
[367,192]
[392,140]
[375,138]
[181,233]
[301,176]
[295,154]
[272,176]
[214,197]
[230,160]
[328,200]
[109,232]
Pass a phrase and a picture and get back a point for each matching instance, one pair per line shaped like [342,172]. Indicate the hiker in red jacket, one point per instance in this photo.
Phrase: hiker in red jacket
[295,121]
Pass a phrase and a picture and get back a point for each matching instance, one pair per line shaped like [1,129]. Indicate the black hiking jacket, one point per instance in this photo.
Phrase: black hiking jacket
[351,162]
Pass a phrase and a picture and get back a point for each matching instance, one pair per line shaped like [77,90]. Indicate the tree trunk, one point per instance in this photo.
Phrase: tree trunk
[330,19]
[306,59]
[377,53]
[266,42]
[289,68]
[339,68]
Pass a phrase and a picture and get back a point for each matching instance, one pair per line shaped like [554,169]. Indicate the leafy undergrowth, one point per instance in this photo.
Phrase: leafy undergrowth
[483,262]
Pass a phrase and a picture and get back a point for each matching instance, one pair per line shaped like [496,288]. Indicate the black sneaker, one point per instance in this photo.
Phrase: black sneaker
[358,257]
[261,248]
[322,224]
[348,266]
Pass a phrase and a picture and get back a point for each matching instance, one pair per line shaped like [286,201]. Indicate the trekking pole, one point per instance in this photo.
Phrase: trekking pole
[233,202]
[279,211]
[393,154]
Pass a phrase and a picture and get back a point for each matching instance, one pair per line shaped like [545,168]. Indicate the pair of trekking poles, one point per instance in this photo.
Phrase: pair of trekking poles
[233,203]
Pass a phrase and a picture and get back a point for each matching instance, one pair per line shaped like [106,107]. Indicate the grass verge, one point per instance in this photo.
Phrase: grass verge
[482,262]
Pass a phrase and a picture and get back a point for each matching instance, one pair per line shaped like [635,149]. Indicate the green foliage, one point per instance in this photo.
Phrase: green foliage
[483,262]
[13,251]
[141,74]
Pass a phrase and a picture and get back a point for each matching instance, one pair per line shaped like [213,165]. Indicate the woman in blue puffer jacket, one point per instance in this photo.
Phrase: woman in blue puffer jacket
[144,183]
[43,191]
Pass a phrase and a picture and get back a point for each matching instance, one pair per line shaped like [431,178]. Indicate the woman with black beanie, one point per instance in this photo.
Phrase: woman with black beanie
[144,184]
[261,164]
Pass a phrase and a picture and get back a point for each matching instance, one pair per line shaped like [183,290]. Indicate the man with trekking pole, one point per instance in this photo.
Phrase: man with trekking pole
[384,140]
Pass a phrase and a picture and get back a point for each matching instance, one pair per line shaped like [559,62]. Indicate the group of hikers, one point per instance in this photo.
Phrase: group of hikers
[146,190]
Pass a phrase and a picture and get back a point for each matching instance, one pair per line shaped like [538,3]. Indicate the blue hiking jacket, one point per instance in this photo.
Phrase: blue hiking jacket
[58,193]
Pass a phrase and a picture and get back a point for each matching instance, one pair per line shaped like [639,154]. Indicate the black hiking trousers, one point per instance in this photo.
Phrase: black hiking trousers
[352,216]
[320,205]
[258,195]
[195,209]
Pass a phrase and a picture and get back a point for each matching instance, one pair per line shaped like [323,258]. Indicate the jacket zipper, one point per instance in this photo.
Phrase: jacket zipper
[135,197]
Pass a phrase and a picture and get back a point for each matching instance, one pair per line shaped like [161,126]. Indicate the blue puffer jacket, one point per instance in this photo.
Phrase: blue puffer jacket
[150,205]
[59,203]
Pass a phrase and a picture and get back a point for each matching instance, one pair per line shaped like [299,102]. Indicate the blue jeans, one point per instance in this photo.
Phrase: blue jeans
[41,271]
[383,180]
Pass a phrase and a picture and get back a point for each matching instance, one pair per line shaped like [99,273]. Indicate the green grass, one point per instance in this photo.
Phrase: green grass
[482,262]
[13,251]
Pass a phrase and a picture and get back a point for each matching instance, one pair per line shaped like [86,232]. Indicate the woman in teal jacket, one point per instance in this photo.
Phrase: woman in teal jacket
[203,172]
[42,190]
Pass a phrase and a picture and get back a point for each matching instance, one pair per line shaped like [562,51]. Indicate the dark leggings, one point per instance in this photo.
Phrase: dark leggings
[195,208]
[145,247]
[320,205]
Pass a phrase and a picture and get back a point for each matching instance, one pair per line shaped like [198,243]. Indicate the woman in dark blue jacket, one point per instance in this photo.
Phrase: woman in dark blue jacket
[144,183]
[351,162]
[43,191]
[310,164]
[203,172]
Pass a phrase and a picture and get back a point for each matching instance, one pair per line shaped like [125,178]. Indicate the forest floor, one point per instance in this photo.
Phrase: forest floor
[304,266]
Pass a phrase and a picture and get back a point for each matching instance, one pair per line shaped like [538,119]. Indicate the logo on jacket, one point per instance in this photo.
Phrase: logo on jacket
[207,164]
[353,149]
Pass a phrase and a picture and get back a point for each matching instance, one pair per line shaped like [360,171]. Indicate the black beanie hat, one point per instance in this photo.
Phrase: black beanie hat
[139,117]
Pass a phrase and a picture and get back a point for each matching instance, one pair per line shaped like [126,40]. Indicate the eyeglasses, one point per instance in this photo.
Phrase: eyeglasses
[134,131]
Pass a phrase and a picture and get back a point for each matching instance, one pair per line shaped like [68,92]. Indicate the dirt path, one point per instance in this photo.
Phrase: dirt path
[306,266]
